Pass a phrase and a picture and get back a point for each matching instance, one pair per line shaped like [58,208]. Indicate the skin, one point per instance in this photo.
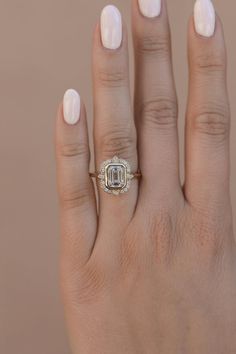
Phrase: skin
[154,270]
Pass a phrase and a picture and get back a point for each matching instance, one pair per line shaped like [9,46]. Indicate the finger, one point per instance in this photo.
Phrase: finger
[155,99]
[208,117]
[114,129]
[76,192]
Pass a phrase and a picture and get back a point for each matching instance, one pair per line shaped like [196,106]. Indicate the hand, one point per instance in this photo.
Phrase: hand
[153,270]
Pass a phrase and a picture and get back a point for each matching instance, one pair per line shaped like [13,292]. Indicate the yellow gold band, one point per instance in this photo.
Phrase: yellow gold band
[96,174]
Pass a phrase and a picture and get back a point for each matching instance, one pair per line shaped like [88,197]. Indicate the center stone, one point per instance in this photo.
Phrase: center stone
[116,176]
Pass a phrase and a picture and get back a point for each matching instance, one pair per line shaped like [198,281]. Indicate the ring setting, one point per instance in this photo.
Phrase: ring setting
[115,176]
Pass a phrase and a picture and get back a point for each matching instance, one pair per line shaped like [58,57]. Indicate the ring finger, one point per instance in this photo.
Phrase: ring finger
[114,128]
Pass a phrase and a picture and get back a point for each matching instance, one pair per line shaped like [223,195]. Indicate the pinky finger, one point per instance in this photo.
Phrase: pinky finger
[76,191]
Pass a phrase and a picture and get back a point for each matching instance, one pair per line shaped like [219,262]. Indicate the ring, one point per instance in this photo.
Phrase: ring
[115,176]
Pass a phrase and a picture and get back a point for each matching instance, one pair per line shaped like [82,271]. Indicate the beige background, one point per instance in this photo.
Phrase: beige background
[45,48]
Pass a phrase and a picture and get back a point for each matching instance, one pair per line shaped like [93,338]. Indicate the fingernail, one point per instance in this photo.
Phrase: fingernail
[204,18]
[150,8]
[71,106]
[111,27]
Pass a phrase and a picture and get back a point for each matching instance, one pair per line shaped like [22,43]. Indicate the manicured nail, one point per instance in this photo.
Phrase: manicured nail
[150,8]
[71,107]
[111,27]
[204,18]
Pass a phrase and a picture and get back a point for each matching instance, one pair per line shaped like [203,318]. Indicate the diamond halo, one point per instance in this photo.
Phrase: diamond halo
[115,176]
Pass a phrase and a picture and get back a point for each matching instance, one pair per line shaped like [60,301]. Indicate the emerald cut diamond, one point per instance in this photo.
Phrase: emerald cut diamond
[115,176]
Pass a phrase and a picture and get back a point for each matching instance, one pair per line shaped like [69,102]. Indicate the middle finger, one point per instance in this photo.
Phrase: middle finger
[155,101]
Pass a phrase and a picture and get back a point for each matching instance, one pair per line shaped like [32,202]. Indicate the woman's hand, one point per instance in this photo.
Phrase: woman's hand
[153,271]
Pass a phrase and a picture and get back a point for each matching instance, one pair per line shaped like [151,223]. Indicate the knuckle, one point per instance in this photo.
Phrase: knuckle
[73,150]
[160,113]
[210,237]
[112,77]
[210,62]
[72,197]
[93,281]
[211,229]
[213,123]
[158,45]
[119,143]
[130,251]
[162,231]
[90,283]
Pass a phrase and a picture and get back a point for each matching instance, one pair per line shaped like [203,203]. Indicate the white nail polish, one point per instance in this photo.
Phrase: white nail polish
[204,18]
[150,8]
[111,27]
[71,106]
